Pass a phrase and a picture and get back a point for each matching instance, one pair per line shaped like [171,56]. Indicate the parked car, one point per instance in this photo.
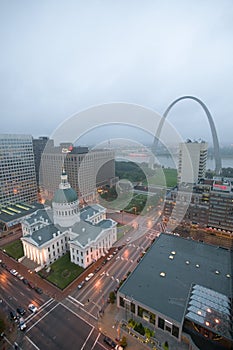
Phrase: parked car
[13,272]
[25,281]
[89,276]
[39,290]
[32,308]
[3,264]
[110,342]
[21,310]
[81,284]
[20,277]
[31,285]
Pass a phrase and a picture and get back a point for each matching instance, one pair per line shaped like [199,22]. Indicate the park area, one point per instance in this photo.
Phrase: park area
[62,272]
[14,249]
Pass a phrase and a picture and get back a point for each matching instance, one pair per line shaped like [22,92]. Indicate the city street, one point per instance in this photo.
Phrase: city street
[74,322]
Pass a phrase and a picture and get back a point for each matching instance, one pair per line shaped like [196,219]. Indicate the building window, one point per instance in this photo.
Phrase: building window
[81,253]
[122,302]
[57,244]
[175,331]
[82,261]
[132,307]
[161,323]
[48,249]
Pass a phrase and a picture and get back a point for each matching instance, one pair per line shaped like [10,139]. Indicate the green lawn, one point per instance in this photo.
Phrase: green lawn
[163,177]
[14,249]
[122,230]
[63,272]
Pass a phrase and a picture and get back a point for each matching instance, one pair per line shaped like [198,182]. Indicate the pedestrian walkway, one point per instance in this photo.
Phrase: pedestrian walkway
[109,325]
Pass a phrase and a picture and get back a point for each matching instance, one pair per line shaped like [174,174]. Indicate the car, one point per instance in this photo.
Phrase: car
[97,269]
[20,277]
[20,310]
[39,290]
[89,276]
[22,324]
[110,342]
[13,272]
[81,284]
[13,315]
[3,264]
[31,285]
[115,251]
[25,281]
[32,308]
[110,257]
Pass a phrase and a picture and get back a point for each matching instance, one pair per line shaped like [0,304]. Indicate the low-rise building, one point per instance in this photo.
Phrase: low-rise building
[182,286]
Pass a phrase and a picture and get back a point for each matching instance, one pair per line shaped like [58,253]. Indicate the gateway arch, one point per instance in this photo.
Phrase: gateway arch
[218,162]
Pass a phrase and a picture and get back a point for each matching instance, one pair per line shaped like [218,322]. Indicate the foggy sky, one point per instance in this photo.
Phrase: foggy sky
[60,57]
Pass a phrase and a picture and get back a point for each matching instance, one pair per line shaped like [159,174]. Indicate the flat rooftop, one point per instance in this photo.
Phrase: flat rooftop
[163,279]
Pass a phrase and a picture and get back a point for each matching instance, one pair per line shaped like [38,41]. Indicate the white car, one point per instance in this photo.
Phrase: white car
[13,272]
[32,308]
[22,324]
[89,276]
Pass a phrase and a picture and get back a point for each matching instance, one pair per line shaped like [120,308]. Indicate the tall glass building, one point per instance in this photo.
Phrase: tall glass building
[17,169]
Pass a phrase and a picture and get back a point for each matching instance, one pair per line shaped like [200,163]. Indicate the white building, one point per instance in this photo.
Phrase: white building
[50,233]
[194,154]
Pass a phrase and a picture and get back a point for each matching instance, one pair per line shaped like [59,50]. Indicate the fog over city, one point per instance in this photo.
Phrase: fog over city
[62,57]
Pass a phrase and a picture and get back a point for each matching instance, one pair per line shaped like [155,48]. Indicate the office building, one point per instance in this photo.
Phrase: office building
[17,170]
[211,205]
[86,170]
[38,149]
[194,153]
[50,233]
[182,287]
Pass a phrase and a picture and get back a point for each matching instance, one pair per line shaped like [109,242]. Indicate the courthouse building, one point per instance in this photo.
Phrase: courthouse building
[50,233]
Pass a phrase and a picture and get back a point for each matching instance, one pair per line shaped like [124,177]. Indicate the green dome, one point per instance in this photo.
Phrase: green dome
[68,195]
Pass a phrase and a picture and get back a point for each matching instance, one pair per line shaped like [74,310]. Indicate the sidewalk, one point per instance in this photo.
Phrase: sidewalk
[108,324]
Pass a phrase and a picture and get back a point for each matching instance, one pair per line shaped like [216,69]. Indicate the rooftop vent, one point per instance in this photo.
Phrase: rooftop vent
[217,272]
[173,252]
[162,274]
[83,229]
[197,265]
[39,238]
[228,275]
[171,257]
[187,262]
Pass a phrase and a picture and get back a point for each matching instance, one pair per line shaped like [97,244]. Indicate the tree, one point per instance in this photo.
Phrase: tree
[112,297]
[148,333]
[131,323]
[139,328]
[123,342]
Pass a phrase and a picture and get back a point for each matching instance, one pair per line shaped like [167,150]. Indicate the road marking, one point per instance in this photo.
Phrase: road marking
[83,319]
[95,341]
[83,309]
[87,338]
[42,307]
[32,343]
[14,298]
[75,300]
[34,324]
[22,293]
